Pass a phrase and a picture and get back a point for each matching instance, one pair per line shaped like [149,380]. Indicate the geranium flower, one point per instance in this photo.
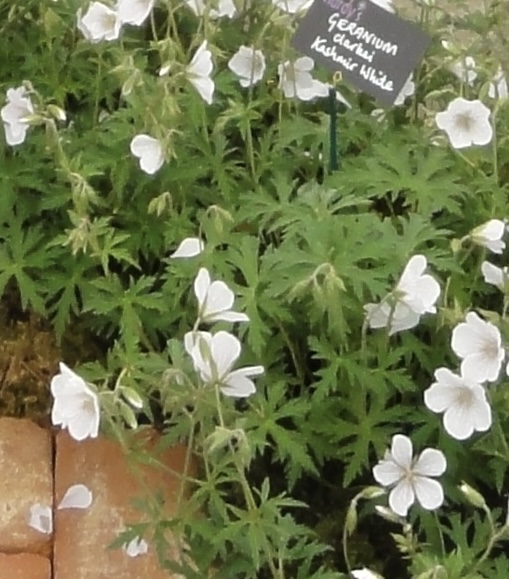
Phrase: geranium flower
[248,64]
[489,235]
[213,358]
[189,247]
[295,80]
[407,90]
[215,300]
[463,402]
[224,8]
[479,345]
[292,6]
[99,23]
[149,151]
[14,114]
[409,477]
[415,294]
[76,497]
[136,547]
[494,275]
[75,405]
[134,11]
[199,71]
[365,573]
[498,86]
[466,123]
[41,518]
[465,70]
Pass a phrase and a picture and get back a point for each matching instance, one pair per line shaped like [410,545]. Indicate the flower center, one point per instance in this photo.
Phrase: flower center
[464,397]
[465,122]
[490,349]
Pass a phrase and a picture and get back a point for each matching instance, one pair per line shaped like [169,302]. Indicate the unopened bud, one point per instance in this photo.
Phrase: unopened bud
[389,515]
[351,518]
[57,113]
[371,492]
[473,497]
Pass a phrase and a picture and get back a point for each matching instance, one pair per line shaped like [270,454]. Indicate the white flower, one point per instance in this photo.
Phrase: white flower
[199,71]
[489,235]
[75,405]
[213,358]
[136,547]
[465,70]
[41,518]
[134,11]
[463,402]
[224,8]
[292,6]
[248,64]
[385,4]
[498,86]
[76,497]
[494,275]
[364,573]
[99,23]
[407,90]
[295,80]
[189,247]
[215,300]
[466,123]
[479,345]
[18,107]
[410,477]
[149,151]
[415,294]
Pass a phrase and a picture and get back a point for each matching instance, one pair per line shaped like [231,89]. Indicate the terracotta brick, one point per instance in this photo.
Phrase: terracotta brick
[82,536]
[26,467]
[24,566]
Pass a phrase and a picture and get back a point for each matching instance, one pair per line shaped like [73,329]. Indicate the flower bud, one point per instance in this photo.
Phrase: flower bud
[371,492]
[473,497]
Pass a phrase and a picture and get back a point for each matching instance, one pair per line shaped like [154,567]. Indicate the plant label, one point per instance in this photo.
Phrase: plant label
[374,49]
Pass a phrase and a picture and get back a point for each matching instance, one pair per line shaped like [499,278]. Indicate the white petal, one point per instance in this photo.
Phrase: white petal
[76,497]
[238,384]
[149,151]
[219,298]
[205,87]
[401,498]
[387,473]
[401,450]
[201,286]
[493,274]
[228,316]
[439,397]
[480,368]
[364,574]
[429,493]
[134,11]
[431,462]
[189,247]
[41,518]
[136,547]
[225,351]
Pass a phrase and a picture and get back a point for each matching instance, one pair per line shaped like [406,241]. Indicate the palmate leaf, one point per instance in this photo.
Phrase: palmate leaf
[274,423]
[24,257]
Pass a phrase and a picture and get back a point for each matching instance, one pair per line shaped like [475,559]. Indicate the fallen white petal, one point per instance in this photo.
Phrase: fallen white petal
[77,497]
[41,518]
[136,547]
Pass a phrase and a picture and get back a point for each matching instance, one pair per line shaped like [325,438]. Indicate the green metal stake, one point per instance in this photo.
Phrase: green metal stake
[333,135]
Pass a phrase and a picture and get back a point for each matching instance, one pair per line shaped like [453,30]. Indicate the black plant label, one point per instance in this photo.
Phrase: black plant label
[374,49]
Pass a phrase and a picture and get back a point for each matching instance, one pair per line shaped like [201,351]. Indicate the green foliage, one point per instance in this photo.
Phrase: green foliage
[86,242]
